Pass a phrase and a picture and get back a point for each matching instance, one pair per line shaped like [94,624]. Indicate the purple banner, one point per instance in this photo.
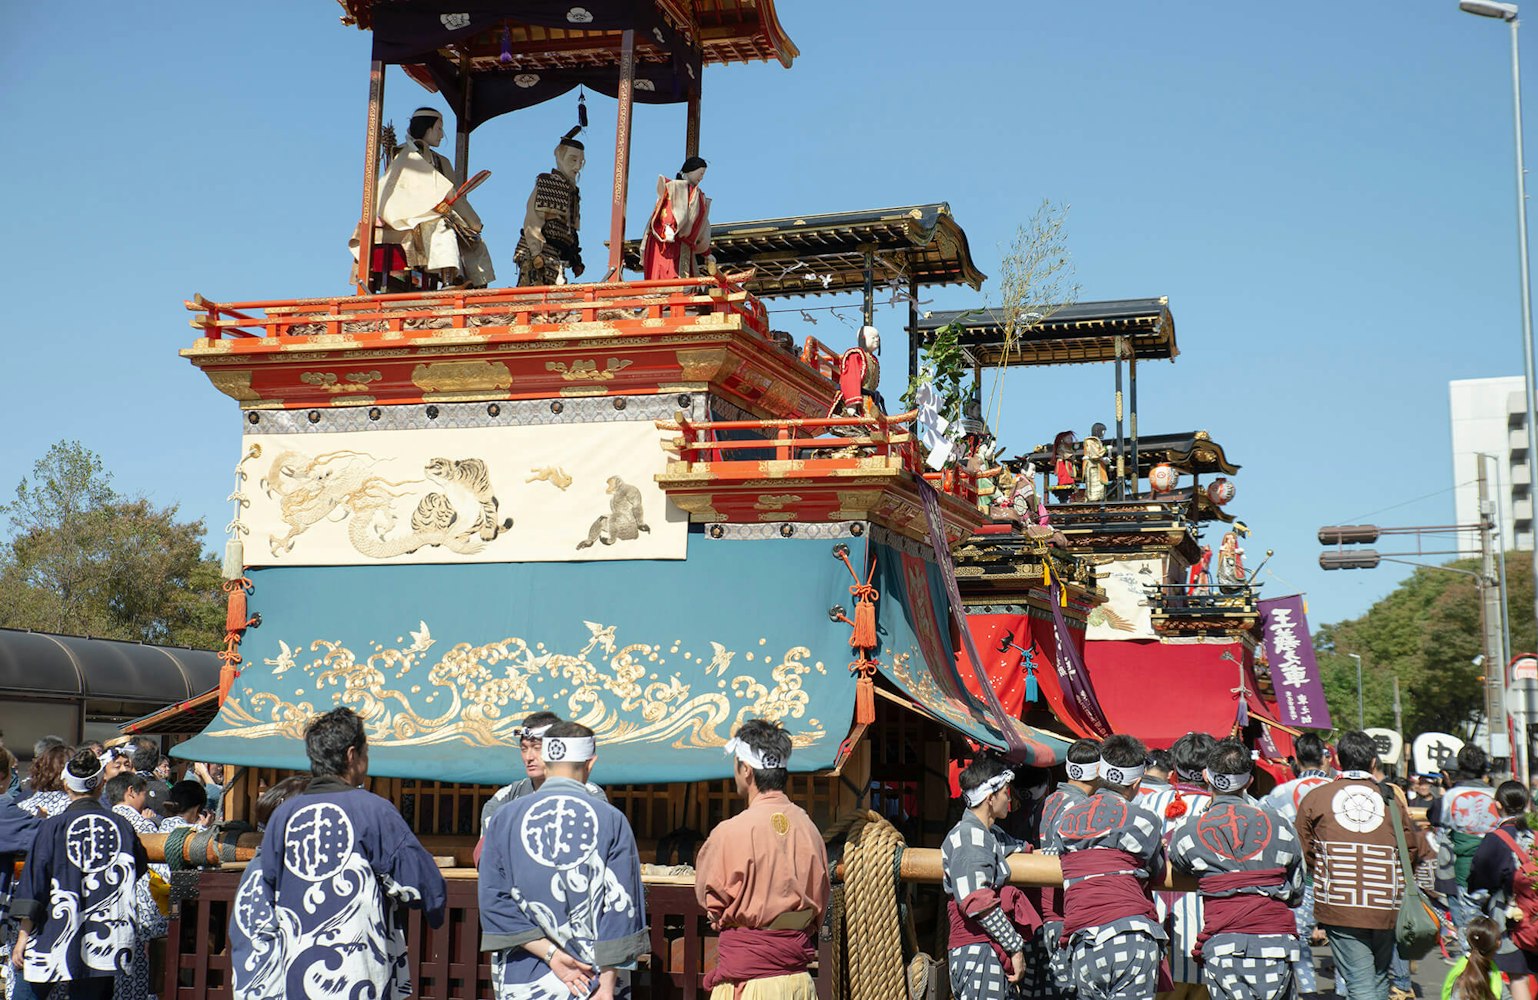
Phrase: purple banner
[1294,671]
[1073,675]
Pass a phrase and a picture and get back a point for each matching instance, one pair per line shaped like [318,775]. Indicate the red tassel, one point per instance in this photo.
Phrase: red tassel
[1178,806]
[865,701]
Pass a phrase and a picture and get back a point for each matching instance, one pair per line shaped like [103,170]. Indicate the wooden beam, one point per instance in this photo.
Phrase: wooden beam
[622,157]
[692,130]
[462,123]
[376,82]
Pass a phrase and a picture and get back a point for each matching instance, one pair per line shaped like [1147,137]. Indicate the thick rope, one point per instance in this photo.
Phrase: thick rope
[874,952]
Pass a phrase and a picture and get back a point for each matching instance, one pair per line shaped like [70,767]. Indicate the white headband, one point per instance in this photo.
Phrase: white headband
[1227,782]
[83,785]
[757,761]
[975,797]
[537,732]
[1118,775]
[568,749]
[1083,772]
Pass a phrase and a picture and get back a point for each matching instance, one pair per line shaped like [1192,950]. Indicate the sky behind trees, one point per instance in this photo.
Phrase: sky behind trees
[1323,190]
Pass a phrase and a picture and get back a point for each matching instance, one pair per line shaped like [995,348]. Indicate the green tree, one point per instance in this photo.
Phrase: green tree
[85,559]
[1426,633]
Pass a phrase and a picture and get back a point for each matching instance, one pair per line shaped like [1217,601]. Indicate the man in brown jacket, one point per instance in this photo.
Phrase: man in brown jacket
[1346,831]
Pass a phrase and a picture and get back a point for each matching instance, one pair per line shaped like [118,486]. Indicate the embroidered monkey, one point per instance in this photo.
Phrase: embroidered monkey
[625,520]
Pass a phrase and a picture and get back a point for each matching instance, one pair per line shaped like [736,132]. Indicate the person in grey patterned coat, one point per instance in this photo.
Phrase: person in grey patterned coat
[1249,865]
[1048,975]
[1113,850]
[990,919]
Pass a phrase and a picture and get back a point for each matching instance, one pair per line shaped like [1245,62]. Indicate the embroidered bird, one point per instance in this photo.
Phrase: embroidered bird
[720,660]
[603,636]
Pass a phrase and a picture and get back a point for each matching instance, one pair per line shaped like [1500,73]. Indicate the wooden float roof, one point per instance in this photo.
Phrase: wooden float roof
[182,718]
[725,31]
[824,254]
[1077,333]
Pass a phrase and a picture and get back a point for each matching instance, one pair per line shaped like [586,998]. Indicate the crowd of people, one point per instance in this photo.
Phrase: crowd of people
[1326,856]
[322,908]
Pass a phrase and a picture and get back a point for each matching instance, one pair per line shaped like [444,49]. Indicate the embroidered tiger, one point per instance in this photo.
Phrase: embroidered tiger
[432,523]
[470,476]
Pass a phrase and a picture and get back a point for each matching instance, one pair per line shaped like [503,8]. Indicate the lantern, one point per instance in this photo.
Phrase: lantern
[1220,491]
[1162,477]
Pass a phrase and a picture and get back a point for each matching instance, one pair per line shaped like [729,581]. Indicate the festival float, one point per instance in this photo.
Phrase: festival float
[628,501]
[1091,596]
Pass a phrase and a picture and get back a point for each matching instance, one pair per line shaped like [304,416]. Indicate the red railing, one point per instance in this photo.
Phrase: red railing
[488,310]
[446,962]
[698,442]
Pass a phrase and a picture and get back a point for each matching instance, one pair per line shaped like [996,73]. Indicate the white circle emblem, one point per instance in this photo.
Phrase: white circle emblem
[317,841]
[1358,809]
[91,842]
[560,832]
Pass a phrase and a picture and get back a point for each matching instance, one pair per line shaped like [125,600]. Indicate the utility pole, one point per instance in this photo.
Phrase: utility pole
[1490,620]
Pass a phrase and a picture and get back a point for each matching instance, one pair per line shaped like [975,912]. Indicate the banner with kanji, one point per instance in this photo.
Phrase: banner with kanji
[1294,671]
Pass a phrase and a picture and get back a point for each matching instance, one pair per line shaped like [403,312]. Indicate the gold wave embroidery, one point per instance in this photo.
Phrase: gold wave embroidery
[606,686]
[924,690]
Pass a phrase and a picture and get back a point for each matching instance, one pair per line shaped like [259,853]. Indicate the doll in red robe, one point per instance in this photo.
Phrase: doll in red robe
[677,240]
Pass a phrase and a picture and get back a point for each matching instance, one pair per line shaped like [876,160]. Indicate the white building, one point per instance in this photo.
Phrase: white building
[1489,416]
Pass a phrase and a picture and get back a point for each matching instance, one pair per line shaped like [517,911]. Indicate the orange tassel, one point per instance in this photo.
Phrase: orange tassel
[864,636]
[235,613]
[865,701]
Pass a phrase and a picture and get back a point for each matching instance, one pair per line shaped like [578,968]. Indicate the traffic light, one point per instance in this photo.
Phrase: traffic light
[1348,534]
[1349,559]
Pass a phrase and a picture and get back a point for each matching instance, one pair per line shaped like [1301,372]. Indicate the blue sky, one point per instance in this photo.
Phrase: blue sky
[1324,190]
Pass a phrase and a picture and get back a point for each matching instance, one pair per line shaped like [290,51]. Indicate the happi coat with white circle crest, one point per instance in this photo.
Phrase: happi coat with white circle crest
[79,889]
[322,916]
[1346,832]
[562,865]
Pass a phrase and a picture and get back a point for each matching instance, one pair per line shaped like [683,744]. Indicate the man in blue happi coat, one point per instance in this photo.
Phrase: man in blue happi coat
[563,911]
[336,865]
[77,900]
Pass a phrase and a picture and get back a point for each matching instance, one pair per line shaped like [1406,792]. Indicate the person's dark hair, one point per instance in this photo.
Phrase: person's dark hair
[1230,757]
[1473,983]
[1160,760]
[1308,751]
[767,738]
[95,746]
[692,163]
[84,764]
[1356,751]
[47,771]
[537,719]
[145,755]
[327,739]
[1511,796]
[1190,754]
[420,125]
[982,769]
[1122,750]
[7,764]
[120,785]
[1084,751]
[267,803]
[42,745]
[1472,763]
[185,795]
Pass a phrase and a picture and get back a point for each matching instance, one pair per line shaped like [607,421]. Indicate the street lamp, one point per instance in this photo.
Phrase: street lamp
[1361,722]
[1508,12]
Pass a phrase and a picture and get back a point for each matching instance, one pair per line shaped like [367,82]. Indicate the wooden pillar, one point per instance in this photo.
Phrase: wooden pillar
[622,156]
[462,123]
[913,329]
[870,287]
[376,81]
[1121,437]
[692,129]
[1132,415]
